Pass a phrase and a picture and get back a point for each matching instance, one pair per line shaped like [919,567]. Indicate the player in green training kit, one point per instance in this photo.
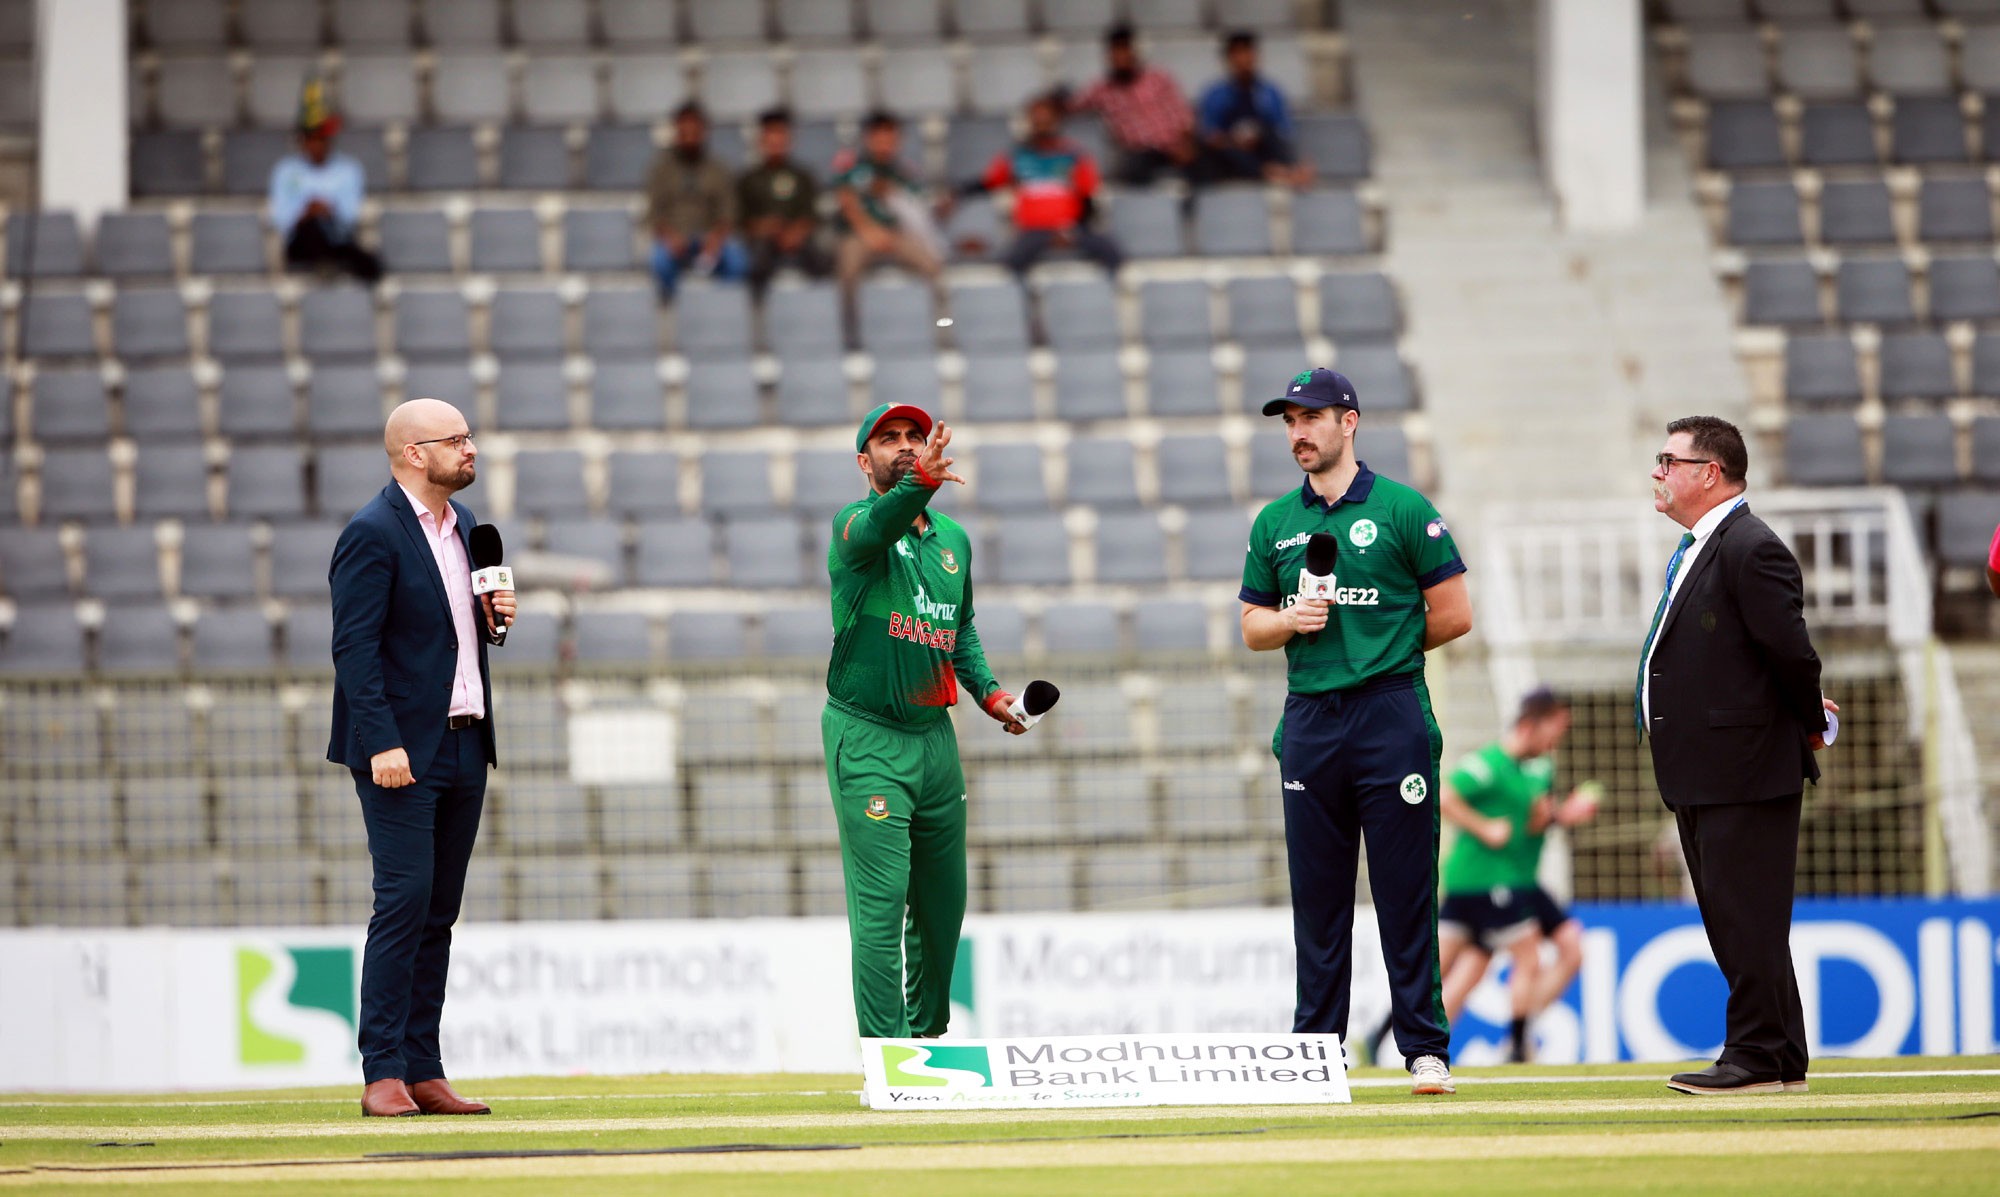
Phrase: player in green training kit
[903,645]
[1357,747]
[1499,799]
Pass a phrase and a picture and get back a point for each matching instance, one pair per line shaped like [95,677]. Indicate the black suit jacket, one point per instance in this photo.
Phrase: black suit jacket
[395,648]
[1735,681]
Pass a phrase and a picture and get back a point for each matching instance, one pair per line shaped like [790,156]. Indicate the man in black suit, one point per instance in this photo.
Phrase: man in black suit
[1728,690]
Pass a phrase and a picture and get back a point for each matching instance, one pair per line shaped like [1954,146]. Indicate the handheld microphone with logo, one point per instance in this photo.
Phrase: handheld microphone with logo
[1316,579]
[488,575]
[1034,702]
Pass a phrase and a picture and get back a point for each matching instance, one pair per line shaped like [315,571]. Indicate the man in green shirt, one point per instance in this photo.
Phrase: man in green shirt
[1358,746]
[1498,798]
[883,214]
[903,645]
[778,201]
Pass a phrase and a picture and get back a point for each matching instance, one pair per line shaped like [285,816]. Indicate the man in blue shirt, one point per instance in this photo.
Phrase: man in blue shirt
[315,201]
[1243,124]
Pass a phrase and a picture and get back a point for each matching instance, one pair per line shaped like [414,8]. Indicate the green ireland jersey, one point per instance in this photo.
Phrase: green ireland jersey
[1393,547]
[1498,787]
[903,641]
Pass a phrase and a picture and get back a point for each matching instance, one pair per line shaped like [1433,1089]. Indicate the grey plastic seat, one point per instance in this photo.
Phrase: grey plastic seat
[1232,220]
[77,484]
[990,317]
[171,481]
[32,567]
[1781,291]
[1173,314]
[218,561]
[266,482]
[736,482]
[345,478]
[722,393]
[558,89]
[1923,130]
[990,18]
[506,239]
[248,156]
[1765,214]
[167,162]
[1822,368]
[815,20]
[971,143]
[1337,145]
[1986,449]
[596,538]
[432,324]
[162,403]
[1874,290]
[232,638]
[1979,55]
[450,381]
[1193,470]
[917,81]
[1909,59]
[245,326]
[1171,625]
[195,93]
[279,24]
[256,402]
[617,157]
[828,82]
[1954,210]
[803,320]
[812,391]
[725,21]
[644,483]
[1856,213]
[1837,134]
[1090,386]
[344,401]
[1214,537]
[1744,135]
[764,551]
[121,564]
[337,324]
[1966,520]
[896,319]
[1917,366]
[825,482]
[149,324]
[708,636]
[300,553]
[138,637]
[1919,451]
[1182,383]
[46,638]
[534,159]
[373,22]
[1965,288]
[1131,548]
[1358,307]
[627,396]
[379,87]
[186,24]
[526,323]
[44,245]
[69,406]
[1388,451]
[1328,222]
[738,84]
[1082,628]
[999,387]
[643,88]
[677,551]
[55,326]
[621,322]
[1030,550]
[470,87]
[1001,77]
[905,20]
[1818,62]
[912,380]
[713,323]
[1726,63]
[1103,473]
[227,243]
[549,482]
[1264,311]
[1008,477]
[442,158]
[130,245]
[416,241]
[1379,376]
[1148,224]
[531,395]
[1081,314]
[552,23]
[598,239]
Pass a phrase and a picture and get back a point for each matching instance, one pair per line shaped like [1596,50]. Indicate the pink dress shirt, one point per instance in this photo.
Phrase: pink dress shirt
[468,696]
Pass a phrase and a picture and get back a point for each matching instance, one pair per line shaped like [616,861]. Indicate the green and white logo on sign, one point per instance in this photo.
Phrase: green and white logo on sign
[295,1004]
[940,1067]
[1362,533]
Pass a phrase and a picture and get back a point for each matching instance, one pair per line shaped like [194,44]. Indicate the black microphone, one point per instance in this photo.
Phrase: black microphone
[488,575]
[1034,702]
[1316,579]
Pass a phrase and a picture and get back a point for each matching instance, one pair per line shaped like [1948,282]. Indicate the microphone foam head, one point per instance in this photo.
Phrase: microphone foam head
[1039,697]
[485,547]
[1320,550]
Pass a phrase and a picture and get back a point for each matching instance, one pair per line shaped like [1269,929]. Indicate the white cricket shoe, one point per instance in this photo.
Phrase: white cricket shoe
[1429,1077]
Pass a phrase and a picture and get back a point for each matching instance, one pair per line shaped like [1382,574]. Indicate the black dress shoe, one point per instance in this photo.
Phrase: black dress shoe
[1722,1080]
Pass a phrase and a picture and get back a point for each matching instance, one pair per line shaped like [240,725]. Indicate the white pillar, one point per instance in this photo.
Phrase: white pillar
[83,140]
[1590,76]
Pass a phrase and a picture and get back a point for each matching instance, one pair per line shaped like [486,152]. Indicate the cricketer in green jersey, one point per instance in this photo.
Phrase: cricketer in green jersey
[1358,747]
[1498,798]
[903,646]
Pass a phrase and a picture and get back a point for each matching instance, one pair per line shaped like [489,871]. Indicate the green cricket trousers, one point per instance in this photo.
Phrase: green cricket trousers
[899,796]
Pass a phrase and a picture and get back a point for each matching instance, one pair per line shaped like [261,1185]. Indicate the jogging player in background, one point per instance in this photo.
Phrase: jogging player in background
[1499,799]
[1358,746]
[903,645]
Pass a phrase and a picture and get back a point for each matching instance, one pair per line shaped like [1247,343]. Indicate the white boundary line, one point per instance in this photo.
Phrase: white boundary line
[1385,1082]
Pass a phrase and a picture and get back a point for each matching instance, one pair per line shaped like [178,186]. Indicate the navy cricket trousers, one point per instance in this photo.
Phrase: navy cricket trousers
[420,837]
[1362,764]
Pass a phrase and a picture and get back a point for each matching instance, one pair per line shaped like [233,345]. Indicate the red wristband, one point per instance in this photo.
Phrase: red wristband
[923,475]
[996,705]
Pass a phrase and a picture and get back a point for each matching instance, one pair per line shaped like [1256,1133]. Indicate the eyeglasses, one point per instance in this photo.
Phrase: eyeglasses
[1667,461]
[457,442]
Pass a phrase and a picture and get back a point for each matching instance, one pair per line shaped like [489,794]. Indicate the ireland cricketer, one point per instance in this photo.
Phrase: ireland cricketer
[903,644]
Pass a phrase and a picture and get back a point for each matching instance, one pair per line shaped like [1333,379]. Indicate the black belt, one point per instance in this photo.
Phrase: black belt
[460,722]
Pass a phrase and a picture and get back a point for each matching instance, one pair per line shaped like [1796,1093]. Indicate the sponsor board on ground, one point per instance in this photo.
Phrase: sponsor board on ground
[1066,1071]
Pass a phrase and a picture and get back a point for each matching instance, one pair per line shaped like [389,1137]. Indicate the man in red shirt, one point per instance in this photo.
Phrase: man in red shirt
[1055,185]
[1149,120]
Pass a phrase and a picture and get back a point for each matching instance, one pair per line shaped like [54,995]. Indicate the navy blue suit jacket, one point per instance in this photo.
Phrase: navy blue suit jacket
[395,651]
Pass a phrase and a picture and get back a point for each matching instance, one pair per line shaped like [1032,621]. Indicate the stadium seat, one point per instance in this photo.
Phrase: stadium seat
[32,567]
[675,551]
[55,326]
[549,482]
[1008,477]
[1919,451]
[1927,131]
[69,406]
[596,538]
[256,402]
[1781,291]
[442,158]
[738,84]
[1744,135]
[1336,144]
[1131,548]
[416,241]
[1824,450]
[1103,473]
[722,393]
[896,319]
[1986,449]
[131,245]
[1916,366]
[1764,214]
[812,391]
[1232,220]
[526,323]
[627,396]
[1264,311]
[1081,628]
[218,561]
[803,320]
[713,323]
[1954,210]
[1726,63]
[1874,291]
[1966,520]
[1030,550]
[998,387]
[78,484]
[1818,62]
[916,81]
[1213,541]
[44,245]
[1822,368]
[1001,77]
[643,88]
[266,482]
[1175,626]
[707,636]
[506,240]
[828,82]
[534,159]
[300,551]
[1081,314]
[1090,386]
[1328,222]
[1174,314]
[598,239]
[617,158]
[763,551]
[1856,213]
[122,564]
[1148,224]
[232,638]
[245,327]
[736,482]
[1182,383]
[167,163]
[1019,803]
[989,317]
[1966,288]
[337,324]
[621,322]
[432,324]
[1838,134]
[644,483]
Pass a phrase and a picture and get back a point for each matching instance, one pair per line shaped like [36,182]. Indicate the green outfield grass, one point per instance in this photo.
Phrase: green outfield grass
[1602,1130]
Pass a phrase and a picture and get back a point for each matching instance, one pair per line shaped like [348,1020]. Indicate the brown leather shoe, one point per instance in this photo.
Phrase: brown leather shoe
[387,1099]
[436,1097]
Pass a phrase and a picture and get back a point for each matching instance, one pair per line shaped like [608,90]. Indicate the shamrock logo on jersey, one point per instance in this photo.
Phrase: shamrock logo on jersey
[1362,533]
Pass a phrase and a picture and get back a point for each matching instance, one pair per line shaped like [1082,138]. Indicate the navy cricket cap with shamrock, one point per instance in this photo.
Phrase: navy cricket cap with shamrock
[1318,387]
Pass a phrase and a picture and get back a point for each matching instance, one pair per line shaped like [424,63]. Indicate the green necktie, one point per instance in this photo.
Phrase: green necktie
[1659,613]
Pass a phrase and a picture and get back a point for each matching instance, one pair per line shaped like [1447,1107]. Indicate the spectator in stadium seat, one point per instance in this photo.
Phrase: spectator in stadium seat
[883,213]
[1244,124]
[691,207]
[1150,124]
[779,203]
[315,197]
[1055,189]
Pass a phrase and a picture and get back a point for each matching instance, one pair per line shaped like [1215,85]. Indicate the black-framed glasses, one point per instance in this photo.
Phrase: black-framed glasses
[1667,461]
[457,442]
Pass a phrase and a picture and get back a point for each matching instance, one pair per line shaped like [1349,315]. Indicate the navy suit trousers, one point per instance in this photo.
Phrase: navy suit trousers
[420,837]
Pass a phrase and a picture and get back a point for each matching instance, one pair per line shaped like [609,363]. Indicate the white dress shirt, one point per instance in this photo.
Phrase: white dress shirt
[468,696]
[1703,529]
